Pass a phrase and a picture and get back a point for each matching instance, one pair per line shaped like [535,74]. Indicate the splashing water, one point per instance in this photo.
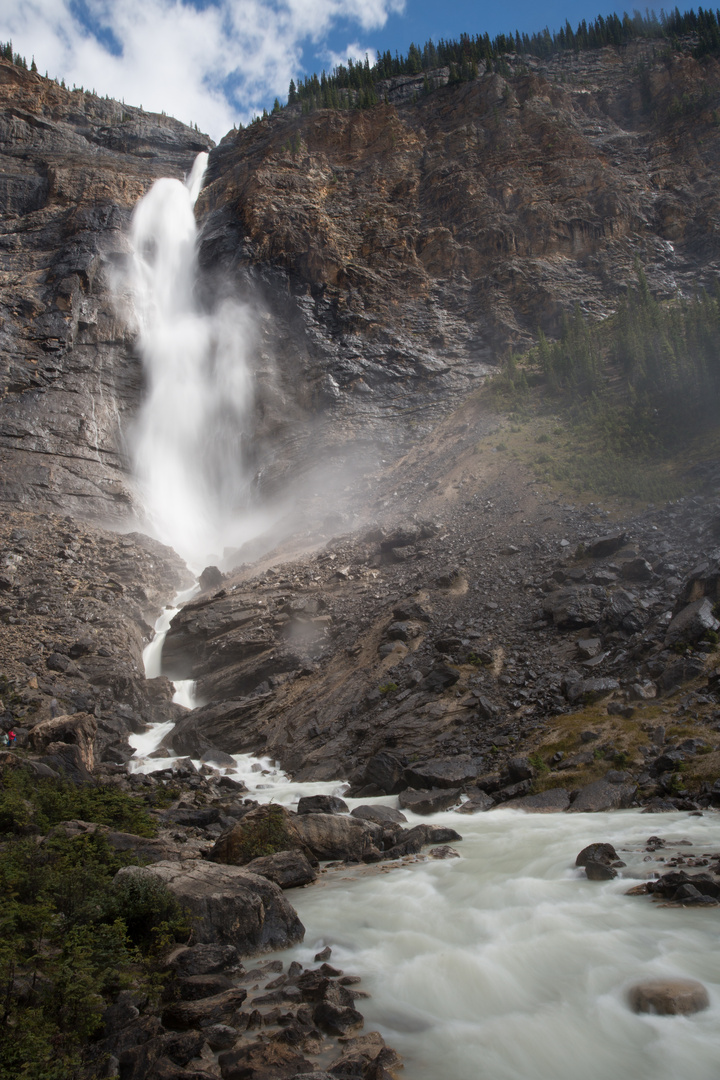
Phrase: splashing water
[190,438]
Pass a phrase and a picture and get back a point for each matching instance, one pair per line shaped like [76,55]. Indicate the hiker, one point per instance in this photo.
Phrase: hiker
[4,741]
[11,738]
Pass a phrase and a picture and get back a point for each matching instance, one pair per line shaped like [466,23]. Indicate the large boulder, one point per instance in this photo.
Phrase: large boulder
[330,836]
[598,852]
[228,905]
[288,869]
[428,802]
[385,773]
[601,795]
[669,997]
[603,546]
[381,815]
[574,607]
[266,830]
[453,773]
[692,623]
[322,804]
[554,801]
[78,730]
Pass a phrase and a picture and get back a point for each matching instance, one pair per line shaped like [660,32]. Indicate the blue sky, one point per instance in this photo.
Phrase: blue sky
[218,62]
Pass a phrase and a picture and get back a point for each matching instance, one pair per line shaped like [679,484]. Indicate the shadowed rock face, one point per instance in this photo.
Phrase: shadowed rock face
[74,165]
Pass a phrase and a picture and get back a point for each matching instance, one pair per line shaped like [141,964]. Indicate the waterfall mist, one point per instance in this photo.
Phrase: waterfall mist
[190,439]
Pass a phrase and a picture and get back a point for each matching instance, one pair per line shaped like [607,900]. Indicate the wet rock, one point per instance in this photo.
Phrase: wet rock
[597,852]
[184,1015]
[196,987]
[680,672]
[386,773]
[288,869]
[362,1056]
[206,960]
[476,804]
[692,623]
[264,830]
[322,804]
[443,852]
[220,1036]
[519,768]
[195,817]
[210,578]
[428,802]
[271,1059]
[669,997]
[589,690]
[599,871]
[637,570]
[227,905]
[411,841]
[330,836]
[601,795]
[337,1019]
[381,815]
[553,801]
[453,773]
[439,678]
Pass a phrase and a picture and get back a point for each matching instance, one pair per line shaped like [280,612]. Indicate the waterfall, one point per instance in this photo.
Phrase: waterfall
[189,437]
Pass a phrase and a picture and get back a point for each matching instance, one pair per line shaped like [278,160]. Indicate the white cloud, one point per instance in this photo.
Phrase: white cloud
[353,52]
[182,60]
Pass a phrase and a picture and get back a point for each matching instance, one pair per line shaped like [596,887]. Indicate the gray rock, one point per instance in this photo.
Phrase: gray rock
[428,802]
[599,871]
[288,869]
[227,905]
[591,689]
[452,773]
[602,796]
[603,546]
[206,960]
[381,815]
[553,801]
[575,607]
[476,804]
[692,623]
[322,804]
[669,997]
[331,836]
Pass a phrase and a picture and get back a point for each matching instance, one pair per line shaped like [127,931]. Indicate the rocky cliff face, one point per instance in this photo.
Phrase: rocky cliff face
[74,165]
[400,248]
[389,253]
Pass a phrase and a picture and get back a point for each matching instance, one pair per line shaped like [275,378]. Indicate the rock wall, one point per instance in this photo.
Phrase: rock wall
[389,253]
[74,165]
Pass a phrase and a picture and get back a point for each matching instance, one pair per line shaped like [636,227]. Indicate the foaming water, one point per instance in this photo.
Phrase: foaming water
[190,441]
[507,965]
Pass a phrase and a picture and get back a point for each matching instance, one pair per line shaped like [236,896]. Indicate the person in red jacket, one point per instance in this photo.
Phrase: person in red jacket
[11,738]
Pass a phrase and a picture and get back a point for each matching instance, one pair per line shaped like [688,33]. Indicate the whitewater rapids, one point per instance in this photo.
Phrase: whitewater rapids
[506,964]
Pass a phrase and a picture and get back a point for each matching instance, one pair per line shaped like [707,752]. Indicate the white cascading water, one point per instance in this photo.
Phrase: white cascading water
[507,964]
[189,438]
[504,964]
